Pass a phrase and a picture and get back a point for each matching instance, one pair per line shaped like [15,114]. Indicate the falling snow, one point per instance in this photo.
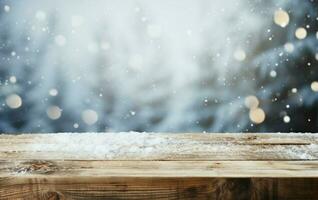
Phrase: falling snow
[90,117]
[13,101]
[281,18]
[181,66]
[301,33]
[54,112]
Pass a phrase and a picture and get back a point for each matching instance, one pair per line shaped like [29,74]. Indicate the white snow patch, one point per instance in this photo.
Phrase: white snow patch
[102,145]
[132,145]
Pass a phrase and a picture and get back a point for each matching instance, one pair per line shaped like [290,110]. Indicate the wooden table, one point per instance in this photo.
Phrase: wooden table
[159,166]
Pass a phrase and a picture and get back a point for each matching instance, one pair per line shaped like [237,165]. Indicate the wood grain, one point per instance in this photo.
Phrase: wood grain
[197,166]
[158,188]
[214,169]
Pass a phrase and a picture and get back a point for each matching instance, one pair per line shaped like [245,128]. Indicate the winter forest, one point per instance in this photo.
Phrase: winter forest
[159,66]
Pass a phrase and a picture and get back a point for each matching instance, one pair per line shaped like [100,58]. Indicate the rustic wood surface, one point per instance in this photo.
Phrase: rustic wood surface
[180,166]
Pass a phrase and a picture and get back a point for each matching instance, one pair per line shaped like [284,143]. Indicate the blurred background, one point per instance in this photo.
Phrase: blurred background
[159,66]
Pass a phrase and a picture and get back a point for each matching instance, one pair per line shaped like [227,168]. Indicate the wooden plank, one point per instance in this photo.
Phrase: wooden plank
[191,153]
[241,138]
[161,147]
[124,188]
[89,188]
[100,168]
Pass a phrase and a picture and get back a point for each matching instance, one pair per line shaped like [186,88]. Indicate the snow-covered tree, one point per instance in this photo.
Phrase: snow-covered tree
[23,107]
[284,64]
[181,66]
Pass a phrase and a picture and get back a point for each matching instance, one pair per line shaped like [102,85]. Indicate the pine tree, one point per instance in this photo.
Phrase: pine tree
[18,70]
[285,72]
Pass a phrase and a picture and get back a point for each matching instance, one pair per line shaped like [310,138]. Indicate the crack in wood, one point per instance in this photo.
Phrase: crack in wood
[36,167]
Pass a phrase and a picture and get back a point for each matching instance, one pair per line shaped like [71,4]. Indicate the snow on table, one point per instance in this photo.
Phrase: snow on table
[159,146]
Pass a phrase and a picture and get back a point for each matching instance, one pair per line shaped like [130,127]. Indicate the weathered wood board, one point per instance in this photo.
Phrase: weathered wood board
[159,166]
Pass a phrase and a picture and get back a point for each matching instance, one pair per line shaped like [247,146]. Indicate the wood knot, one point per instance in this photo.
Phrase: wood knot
[254,137]
[215,165]
[36,167]
[50,195]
